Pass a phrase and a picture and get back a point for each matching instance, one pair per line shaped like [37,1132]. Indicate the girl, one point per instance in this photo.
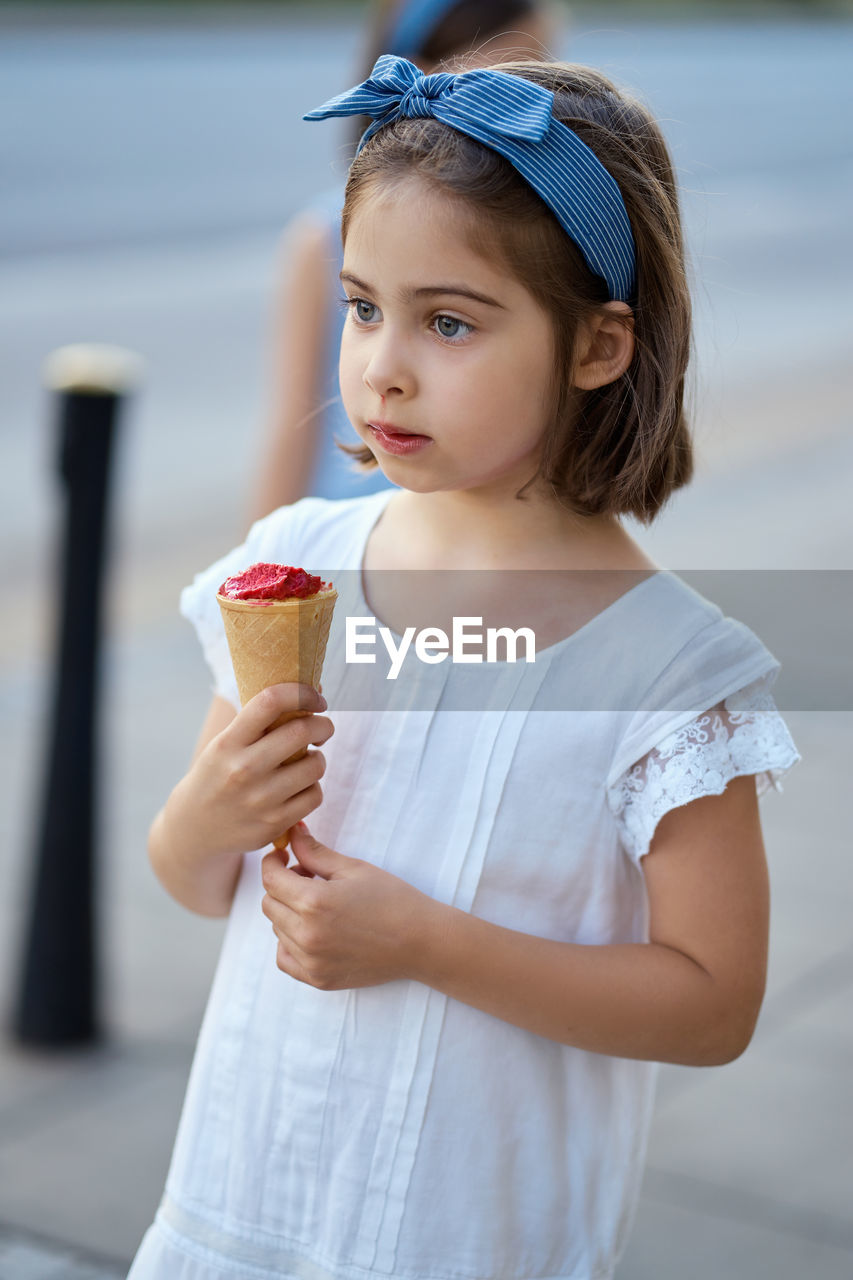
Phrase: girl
[306,417]
[441,1065]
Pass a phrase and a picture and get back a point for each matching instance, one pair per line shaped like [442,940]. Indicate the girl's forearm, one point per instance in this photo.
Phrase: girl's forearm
[633,1000]
[204,885]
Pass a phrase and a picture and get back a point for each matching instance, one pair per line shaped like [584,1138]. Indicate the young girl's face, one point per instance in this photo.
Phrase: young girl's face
[446,360]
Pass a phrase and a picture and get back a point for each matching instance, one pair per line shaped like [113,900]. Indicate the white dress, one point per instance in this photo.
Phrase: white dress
[392,1131]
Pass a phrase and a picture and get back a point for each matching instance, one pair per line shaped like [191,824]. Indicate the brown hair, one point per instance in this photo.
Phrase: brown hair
[624,448]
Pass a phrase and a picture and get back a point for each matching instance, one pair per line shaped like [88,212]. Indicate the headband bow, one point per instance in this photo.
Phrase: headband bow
[514,117]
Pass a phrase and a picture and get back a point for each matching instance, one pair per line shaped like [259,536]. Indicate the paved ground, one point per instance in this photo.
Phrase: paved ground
[751,1165]
[25,1257]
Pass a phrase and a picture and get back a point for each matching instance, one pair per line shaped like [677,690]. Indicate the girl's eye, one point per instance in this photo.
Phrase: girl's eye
[364,312]
[451,328]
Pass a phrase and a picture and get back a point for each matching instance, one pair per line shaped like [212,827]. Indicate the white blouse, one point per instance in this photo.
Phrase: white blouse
[392,1131]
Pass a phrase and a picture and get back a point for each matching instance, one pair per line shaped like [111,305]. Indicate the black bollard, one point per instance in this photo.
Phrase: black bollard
[58,995]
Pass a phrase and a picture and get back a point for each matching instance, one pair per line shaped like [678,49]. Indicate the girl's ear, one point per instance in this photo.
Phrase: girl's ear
[605,346]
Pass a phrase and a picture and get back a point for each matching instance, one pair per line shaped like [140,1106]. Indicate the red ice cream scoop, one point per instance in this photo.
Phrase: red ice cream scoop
[272,582]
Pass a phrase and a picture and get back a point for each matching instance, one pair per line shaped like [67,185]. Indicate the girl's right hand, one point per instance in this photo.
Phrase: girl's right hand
[239,794]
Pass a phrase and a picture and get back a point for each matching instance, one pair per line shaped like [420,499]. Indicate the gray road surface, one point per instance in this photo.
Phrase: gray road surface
[148,170]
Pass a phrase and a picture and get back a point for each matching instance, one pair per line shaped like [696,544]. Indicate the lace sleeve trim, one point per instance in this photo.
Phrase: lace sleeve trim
[742,735]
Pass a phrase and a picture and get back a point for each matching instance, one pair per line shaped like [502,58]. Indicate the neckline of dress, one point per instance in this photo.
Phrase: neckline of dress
[551,650]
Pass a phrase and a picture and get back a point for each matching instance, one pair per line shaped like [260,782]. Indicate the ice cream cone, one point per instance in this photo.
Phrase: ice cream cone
[278,642]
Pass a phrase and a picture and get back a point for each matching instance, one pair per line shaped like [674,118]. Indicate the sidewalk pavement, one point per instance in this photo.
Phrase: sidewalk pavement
[24,1257]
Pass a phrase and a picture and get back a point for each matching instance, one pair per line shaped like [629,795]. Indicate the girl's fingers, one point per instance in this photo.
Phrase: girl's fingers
[297,735]
[283,918]
[264,709]
[294,810]
[285,782]
[288,963]
[285,888]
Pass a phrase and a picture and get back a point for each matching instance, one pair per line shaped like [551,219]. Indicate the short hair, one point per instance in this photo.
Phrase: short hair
[624,448]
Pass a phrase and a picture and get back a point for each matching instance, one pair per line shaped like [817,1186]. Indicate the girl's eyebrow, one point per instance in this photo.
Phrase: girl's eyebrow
[458,290]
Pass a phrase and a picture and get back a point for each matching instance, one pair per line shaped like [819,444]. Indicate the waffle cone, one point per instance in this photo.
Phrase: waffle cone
[278,642]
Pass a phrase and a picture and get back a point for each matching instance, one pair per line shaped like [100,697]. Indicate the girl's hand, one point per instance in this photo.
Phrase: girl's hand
[239,794]
[341,922]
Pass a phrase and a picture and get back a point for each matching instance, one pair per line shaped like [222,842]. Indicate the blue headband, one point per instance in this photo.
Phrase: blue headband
[514,117]
[415,23]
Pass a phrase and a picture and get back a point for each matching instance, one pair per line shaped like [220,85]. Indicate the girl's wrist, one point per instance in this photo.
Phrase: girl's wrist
[430,941]
[190,840]
[196,875]
[178,834]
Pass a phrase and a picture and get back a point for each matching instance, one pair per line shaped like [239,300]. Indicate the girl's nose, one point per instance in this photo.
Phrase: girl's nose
[388,372]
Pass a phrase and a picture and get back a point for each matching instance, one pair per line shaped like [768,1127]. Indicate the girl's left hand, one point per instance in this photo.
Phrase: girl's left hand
[341,922]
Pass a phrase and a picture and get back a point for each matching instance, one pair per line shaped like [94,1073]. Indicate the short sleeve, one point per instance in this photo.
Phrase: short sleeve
[199,606]
[742,735]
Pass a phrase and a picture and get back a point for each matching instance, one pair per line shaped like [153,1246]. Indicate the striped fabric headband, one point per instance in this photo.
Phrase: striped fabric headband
[514,117]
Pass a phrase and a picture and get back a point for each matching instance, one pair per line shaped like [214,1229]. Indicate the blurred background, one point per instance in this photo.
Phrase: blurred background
[149,157]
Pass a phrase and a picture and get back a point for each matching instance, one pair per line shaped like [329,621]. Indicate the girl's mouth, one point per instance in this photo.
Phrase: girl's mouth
[393,440]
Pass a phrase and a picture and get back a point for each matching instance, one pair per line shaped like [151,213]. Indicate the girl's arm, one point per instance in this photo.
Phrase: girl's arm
[690,995]
[299,341]
[238,794]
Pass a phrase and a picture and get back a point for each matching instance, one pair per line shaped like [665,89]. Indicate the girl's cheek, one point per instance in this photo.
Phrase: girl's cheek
[347,361]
